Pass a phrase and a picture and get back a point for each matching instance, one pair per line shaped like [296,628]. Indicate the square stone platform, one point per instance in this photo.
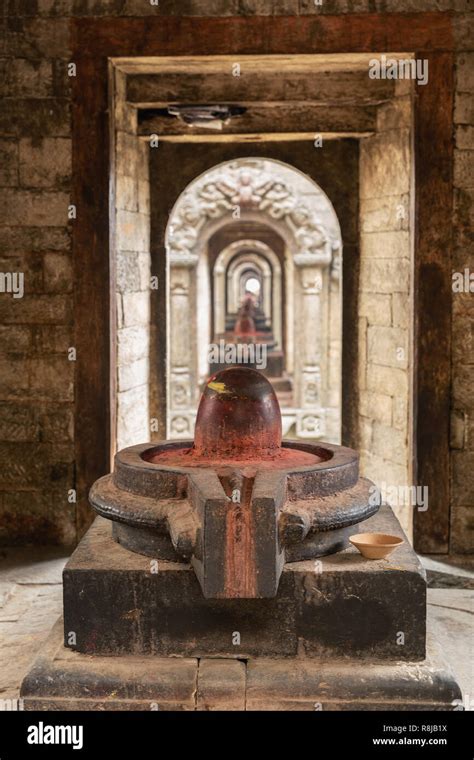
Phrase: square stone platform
[342,633]
[61,679]
[117,602]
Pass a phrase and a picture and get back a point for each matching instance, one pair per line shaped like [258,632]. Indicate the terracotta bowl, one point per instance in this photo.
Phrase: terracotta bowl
[375,545]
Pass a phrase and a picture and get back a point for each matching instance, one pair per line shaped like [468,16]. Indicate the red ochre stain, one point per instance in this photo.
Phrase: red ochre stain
[282,459]
[238,422]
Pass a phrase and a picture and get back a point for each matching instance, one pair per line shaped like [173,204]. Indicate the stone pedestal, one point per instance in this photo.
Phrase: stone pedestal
[342,633]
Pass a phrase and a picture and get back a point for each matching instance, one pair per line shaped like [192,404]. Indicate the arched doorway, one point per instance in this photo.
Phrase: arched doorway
[298,314]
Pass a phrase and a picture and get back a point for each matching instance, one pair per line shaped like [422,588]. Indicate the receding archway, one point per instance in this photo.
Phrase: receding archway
[294,206]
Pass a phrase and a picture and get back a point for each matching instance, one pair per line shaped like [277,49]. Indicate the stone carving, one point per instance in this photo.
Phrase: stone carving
[182,426]
[309,425]
[245,184]
[180,395]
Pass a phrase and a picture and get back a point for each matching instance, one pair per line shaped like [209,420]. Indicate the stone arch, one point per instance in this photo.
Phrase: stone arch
[290,202]
[271,279]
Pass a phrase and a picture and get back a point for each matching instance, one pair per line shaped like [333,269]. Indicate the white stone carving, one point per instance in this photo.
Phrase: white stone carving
[249,185]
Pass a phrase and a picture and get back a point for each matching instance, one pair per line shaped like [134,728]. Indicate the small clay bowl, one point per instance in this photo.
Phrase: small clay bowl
[375,545]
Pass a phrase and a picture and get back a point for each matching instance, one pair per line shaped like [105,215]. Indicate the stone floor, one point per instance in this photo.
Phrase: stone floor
[31,601]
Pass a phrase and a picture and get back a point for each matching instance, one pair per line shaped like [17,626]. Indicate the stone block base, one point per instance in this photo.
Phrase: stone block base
[117,602]
[61,679]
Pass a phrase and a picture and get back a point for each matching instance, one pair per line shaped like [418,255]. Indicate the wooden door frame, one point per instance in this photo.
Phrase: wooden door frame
[95,40]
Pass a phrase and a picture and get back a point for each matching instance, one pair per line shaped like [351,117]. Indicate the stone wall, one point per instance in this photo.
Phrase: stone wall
[36,374]
[385,308]
[132,255]
[462,423]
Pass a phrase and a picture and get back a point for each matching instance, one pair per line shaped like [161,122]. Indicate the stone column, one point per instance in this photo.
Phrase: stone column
[310,401]
[181,347]
[219,300]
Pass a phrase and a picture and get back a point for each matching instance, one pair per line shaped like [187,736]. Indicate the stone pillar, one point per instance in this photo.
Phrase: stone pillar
[309,389]
[181,348]
[219,299]
[267,296]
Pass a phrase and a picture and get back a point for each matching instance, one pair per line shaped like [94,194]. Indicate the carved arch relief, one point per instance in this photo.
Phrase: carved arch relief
[287,200]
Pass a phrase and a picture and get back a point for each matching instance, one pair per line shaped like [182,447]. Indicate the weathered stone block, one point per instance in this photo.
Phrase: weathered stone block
[463,27]
[465,72]
[126,190]
[462,527]
[132,344]
[128,272]
[39,37]
[385,214]
[25,78]
[65,680]
[41,116]
[108,683]
[18,422]
[385,275]
[58,425]
[463,476]
[13,377]
[463,168]
[344,685]
[14,240]
[463,108]
[376,308]
[396,114]
[45,163]
[463,383]
[387,346]
[14,339]
[385,165]
[132,231]
[52,339]
[35,309]
[390,443]
[118,602]
[136,308]
[401,310]
[41,209]
[42,517]
[221,684]
[133,375]
[465,137]
[376,406]
[386,245]
[58,276]
[388,380]
[52,377]
[8,162]
[400,413]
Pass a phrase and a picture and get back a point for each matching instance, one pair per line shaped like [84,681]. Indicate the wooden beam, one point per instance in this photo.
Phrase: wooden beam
[297,117]
[215,64]
[180,35]
[355,88]
[433,300]
[91,280]
[213,137]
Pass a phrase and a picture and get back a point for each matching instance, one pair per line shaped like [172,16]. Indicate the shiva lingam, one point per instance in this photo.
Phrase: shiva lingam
[261,627]
[238,502]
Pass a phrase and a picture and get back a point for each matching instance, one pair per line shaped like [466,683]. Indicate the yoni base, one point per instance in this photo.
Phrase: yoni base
[61,679]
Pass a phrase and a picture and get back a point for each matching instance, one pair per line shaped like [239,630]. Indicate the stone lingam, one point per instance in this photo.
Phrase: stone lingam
[218,575]
[238,502]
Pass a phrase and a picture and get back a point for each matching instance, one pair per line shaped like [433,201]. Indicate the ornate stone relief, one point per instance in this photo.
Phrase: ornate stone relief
[246,184]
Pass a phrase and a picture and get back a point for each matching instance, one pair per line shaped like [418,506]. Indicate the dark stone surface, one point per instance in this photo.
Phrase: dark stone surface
[63,680]
[340,605]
